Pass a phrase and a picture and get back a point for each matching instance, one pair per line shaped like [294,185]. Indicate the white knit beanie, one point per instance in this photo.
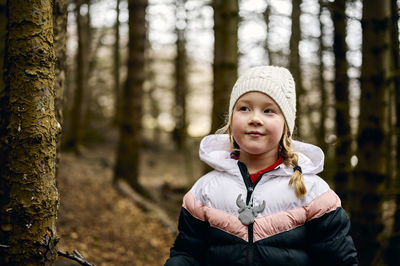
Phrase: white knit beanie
[276,82]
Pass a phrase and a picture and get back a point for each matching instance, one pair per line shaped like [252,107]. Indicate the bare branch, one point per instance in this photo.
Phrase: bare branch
[76,256]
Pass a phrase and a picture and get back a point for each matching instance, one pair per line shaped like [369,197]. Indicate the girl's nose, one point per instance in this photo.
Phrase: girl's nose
[255,119]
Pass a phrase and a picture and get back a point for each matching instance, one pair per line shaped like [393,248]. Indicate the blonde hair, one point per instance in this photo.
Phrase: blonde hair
[290,158]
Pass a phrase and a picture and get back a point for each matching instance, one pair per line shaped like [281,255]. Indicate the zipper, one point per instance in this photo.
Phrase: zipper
[250,189]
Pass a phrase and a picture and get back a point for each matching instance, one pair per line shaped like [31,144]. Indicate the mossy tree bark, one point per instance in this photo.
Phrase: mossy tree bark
[294,63]
[371,170]
[179,109]
[28,220]
[342,118]
[226,21]
[128,151]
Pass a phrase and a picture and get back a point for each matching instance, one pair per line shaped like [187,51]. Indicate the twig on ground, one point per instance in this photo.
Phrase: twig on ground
[76,256]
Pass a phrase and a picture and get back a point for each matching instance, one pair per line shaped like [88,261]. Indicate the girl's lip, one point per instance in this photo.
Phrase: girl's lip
[254,133]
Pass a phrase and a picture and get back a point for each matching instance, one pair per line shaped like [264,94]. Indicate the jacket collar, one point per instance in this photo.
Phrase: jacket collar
[215,151]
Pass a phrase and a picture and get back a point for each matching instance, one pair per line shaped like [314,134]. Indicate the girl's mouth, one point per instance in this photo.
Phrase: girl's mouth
[254,133]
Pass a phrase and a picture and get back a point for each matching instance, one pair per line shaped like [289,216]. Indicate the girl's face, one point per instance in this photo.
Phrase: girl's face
[257,125]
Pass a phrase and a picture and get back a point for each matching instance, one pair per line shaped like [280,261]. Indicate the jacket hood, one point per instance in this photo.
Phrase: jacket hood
[215,151]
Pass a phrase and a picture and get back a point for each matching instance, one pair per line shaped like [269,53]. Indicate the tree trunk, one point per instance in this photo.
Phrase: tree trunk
[60,16]
[371,170]
[4,120]
[179,110]
[393,255]
[74,134]
[28,222]
[342,118]
[127,164]
[294,63]
[226,21]
[3,92]
[116,67]
[154,109]
[322,86]
[267,15]
[90,61]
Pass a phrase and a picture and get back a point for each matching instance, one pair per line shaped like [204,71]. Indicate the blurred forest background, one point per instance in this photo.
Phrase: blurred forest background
[103,104]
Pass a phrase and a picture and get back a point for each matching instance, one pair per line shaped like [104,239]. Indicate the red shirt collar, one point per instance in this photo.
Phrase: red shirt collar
[256,176]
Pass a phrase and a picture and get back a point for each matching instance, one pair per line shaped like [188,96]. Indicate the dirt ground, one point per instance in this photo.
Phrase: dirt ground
[106,227]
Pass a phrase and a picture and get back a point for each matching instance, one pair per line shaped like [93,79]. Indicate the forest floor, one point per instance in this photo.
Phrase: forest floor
[103,225]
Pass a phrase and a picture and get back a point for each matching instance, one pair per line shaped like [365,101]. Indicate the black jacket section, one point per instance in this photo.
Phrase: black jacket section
[322,241]
[190,244]
[329,242]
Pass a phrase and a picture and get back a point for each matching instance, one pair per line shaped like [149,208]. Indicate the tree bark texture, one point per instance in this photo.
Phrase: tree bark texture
[226,21]
[342,118]
[4,120]
[127,164]
[179,110]
[294,64]
[371,170]
[28,221]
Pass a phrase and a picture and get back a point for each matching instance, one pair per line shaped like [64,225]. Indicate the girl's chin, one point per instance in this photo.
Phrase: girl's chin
[254,151]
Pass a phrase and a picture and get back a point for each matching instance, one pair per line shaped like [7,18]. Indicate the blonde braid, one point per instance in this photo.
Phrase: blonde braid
[291,159]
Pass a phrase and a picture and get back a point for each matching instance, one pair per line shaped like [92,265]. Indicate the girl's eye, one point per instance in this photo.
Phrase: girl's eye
[268,111]
[243,108]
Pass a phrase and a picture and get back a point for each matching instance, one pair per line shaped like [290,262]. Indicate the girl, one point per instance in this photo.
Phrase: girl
[264,203]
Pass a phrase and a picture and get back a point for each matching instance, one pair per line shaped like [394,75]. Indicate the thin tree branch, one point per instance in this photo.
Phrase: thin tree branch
[76,256]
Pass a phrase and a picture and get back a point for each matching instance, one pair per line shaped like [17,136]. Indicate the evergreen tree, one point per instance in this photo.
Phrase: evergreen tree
[60,16]
[128,151]
[226,21]
[74,132]
[393,255]
[294,61]
[342,118]
[117,62]
[371,170]
[28,210]
[179,109]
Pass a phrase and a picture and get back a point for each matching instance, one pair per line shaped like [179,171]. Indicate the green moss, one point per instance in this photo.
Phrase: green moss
[32,128]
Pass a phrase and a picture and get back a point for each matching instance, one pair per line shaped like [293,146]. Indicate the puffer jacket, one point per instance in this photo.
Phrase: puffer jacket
[313,230]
